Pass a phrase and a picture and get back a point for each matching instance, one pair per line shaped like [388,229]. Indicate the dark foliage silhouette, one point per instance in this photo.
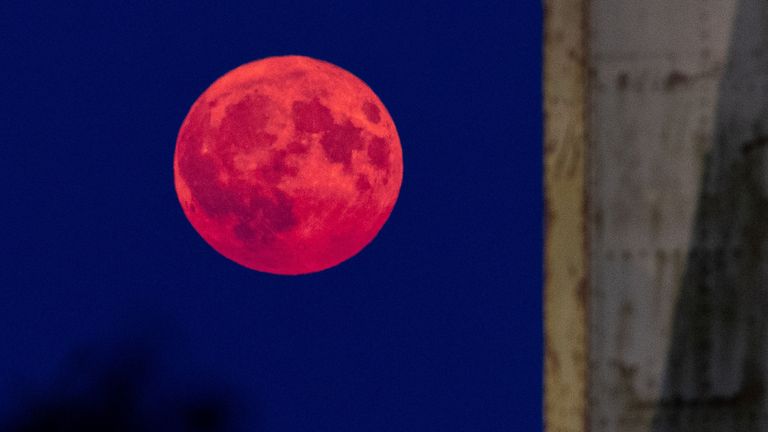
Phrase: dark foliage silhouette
[118,392]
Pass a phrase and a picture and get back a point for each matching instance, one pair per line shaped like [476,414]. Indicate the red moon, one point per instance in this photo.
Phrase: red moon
[288,165]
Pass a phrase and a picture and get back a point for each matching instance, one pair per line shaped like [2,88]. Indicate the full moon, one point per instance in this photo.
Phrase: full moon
[288,165]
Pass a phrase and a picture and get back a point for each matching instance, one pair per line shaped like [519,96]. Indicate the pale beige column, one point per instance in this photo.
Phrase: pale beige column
[566,248]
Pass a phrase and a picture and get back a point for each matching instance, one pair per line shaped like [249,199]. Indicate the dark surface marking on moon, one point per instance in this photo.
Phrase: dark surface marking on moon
[371,112]
[295,74]
[311,116]
[201,176]
[339,142]
[280,214]
[362,183]
[198,170]
[296,147]
[271,210]
[243,125]
[244,232]
[278,168]
[378,152]
[194,131]
[268,215]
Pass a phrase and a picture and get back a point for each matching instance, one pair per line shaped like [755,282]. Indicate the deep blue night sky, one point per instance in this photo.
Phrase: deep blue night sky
[435,326]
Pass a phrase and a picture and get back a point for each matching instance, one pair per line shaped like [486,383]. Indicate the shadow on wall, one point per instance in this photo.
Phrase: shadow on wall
[118,392]
[715,377]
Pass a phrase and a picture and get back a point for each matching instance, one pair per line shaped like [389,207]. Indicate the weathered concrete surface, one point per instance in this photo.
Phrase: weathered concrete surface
[673,177]
[656,68]
[565,403]
[715,373]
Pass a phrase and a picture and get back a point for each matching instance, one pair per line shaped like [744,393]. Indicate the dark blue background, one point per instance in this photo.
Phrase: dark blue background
[436,326]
